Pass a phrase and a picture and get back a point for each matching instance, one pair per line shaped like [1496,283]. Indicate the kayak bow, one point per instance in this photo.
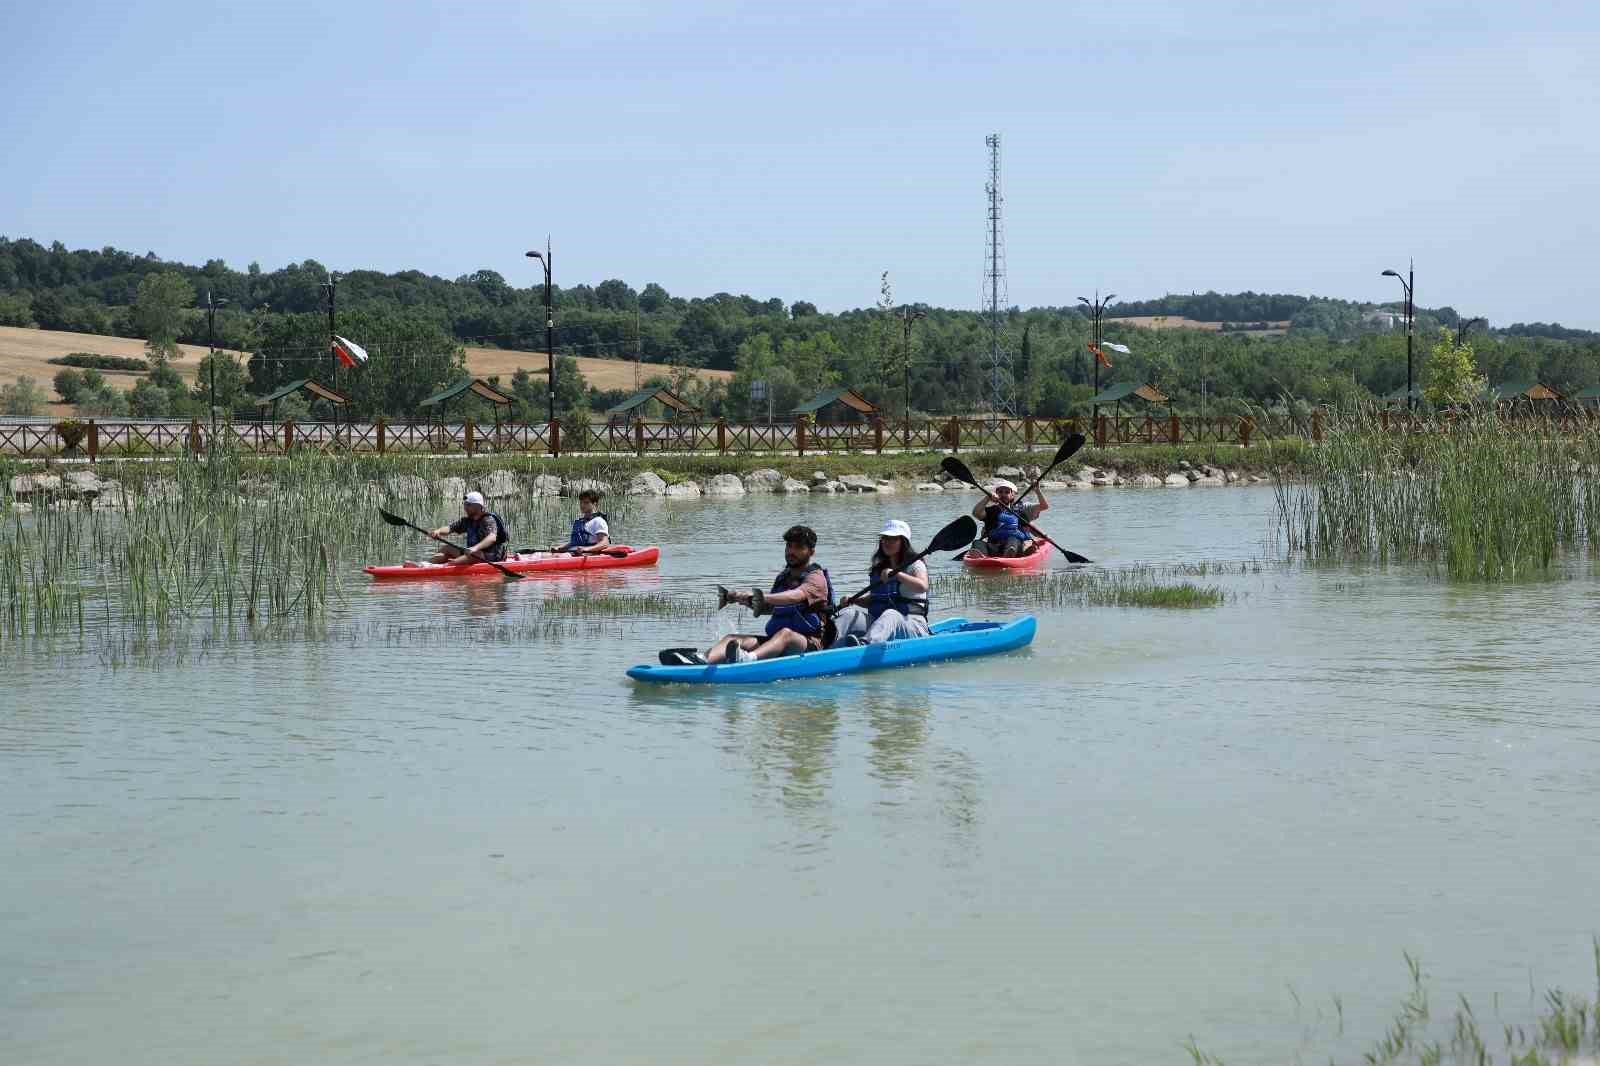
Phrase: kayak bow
[1034,560]
[951,638]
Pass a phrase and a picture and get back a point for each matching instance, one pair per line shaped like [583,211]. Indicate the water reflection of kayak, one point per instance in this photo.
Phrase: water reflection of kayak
[1034,560]
[522,563]
[951,638]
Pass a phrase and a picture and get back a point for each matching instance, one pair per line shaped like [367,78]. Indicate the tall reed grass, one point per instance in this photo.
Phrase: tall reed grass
[1480,498]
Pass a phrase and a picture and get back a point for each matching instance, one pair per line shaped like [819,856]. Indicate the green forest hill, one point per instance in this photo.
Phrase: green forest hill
[415,326]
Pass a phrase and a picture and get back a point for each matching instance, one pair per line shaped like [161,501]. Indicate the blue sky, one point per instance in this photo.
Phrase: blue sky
[798,150]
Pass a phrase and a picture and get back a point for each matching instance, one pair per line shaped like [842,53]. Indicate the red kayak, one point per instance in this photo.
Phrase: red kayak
[1034,560]
[524,563]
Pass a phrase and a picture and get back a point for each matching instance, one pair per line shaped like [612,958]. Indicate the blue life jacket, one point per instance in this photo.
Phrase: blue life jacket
[581,537]
[475,530]
[805,620]
[1007,527]
[885,596]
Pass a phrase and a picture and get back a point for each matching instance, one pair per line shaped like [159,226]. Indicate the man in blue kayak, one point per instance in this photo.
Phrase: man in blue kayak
[799,602]
[485,533]
[1006,533]
[590,531]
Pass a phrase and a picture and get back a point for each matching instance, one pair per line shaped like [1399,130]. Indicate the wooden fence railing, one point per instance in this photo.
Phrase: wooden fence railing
[126,439]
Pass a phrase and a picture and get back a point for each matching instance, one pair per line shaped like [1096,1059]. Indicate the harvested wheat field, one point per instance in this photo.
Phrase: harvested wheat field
[27,353]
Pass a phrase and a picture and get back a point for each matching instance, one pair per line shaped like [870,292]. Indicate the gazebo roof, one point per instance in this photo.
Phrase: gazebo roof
[1399,395]
[1523,390]
[478,387]
[1591,393]
[842,394]
[1145,392]
[644,396]
[311,385]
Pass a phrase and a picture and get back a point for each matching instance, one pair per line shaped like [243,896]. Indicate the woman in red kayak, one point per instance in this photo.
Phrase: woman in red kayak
[486,534]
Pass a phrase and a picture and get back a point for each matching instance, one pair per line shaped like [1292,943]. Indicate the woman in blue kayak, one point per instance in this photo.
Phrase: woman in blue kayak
[799,602]
[485,532]
[590,531]
[897,603]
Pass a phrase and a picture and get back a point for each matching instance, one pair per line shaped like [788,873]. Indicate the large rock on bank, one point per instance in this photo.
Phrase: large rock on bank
[648,483]
[790,485]
[406,487]
[577,486]
[501,485]
[763,480]
[858,483]
[684,490]
[28,484]
[724,485]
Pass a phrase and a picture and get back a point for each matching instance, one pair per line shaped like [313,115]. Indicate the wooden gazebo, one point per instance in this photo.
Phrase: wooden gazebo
[840,404]
[310,386]
[434,405]
[1115,394]
[1533,393]
[630,408]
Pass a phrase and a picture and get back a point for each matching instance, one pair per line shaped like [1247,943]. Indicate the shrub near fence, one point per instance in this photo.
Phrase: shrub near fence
[121,438]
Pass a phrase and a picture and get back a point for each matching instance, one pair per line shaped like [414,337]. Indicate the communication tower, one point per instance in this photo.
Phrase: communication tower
[1001,390]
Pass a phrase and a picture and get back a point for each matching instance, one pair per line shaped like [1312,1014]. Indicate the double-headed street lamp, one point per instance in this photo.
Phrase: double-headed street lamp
[1411,318]
[1097,309]
[211,343]
[907,316]
[549,327]
[1463,327]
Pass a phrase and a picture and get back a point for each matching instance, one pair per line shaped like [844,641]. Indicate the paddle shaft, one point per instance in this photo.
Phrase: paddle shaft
[890,576]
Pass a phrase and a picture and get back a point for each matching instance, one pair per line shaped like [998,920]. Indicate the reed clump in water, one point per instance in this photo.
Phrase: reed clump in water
[1483,499]
[1136,586]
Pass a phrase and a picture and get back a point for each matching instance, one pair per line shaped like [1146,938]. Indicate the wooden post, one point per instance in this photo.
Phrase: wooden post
[194,436]
[722,435]
[555,438]
[1174,431]
[877,432]
[94,440]
[1246,427]
[1316,425]
[288,435]
[382,434]
[800,434]
[1383,421]
[638,436]
[1027,433]
[955,434]
[1099,431]
[469,436]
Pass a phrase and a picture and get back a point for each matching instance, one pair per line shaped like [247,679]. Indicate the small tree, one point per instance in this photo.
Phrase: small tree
[23,398]
[160,312]
[1451,373]
[69,385]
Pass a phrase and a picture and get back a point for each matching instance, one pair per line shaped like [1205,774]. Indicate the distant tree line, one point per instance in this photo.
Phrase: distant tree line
[415,327]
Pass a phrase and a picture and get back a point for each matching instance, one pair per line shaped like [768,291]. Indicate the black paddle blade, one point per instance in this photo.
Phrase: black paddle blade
[957,469]
[1074,557]
[724,597]
[392,519]
[1068,447]
[676,657]
[958,534]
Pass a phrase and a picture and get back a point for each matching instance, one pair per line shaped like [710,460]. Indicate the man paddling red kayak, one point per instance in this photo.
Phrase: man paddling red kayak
[485,531]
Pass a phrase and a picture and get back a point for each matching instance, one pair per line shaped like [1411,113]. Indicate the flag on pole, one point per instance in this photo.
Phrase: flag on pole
[349,352]
[1099,355]
[1123,348]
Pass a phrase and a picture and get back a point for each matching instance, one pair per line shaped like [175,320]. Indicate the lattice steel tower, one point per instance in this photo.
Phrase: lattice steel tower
[1001,391]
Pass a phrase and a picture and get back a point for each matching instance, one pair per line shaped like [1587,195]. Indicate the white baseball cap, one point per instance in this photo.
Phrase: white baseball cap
[472,497]
[1002,483]
[895,528]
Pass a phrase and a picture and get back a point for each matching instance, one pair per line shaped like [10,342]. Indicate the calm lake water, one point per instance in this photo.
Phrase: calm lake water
[402,842]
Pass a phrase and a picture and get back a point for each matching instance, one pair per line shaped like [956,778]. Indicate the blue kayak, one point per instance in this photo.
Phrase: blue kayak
[951,638]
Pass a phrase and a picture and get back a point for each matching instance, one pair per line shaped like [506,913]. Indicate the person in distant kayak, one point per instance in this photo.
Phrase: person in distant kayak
[1005,533]
[896,606]
[799,603]
[590,531]
[485,533]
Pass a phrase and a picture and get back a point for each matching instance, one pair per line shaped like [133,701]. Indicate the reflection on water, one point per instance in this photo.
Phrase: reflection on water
[1146,825]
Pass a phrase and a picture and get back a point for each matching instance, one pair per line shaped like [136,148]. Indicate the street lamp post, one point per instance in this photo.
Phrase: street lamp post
[549,329]
[1411,319]
[1097,309]
[211,343]
[1462,327]
[907,316]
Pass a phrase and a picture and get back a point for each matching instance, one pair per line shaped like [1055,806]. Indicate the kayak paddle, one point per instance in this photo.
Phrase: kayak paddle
[396,520]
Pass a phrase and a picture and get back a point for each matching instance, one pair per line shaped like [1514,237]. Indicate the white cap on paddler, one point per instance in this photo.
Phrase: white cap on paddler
[473,497]
[1001,483]
[895,528]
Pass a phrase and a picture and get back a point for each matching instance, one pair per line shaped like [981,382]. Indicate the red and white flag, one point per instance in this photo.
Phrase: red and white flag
[349,352]
[1100,356]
